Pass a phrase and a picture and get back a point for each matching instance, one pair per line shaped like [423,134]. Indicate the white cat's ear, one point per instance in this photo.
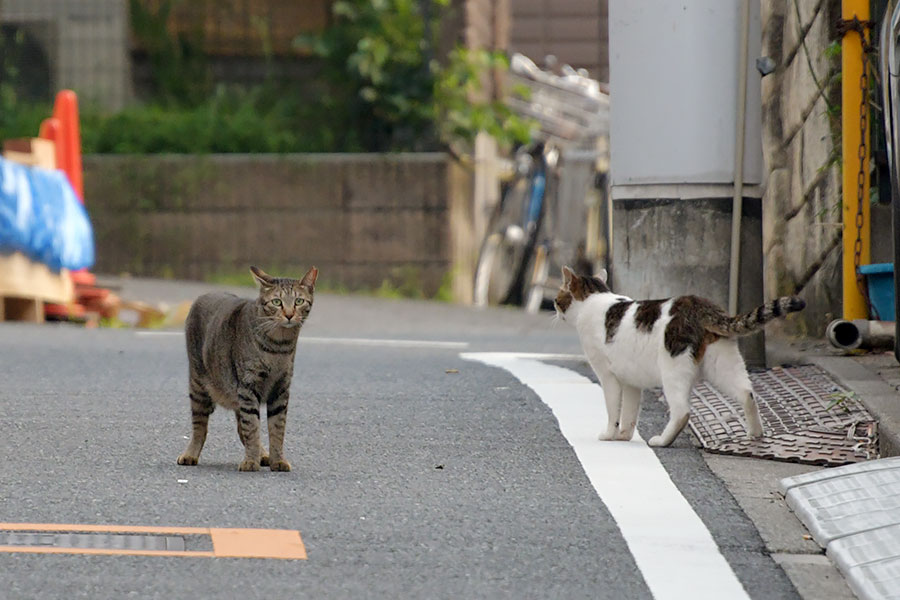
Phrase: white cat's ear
[262,278]
[309,280]
[568,276]
[602,276]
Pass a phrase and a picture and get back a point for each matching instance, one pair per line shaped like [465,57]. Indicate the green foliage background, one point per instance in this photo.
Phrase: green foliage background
[379,87]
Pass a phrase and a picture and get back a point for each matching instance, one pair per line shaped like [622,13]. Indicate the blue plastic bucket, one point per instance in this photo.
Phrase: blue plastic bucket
[880,281]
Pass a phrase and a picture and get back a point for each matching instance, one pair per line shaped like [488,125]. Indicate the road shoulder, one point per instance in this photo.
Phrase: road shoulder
[754,485]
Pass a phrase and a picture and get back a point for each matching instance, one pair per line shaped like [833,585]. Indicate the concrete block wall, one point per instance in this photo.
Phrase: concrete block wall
[802,176]
[362,219]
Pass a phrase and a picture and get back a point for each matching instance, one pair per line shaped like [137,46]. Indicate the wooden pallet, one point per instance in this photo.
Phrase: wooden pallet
[25,285]
[22,309]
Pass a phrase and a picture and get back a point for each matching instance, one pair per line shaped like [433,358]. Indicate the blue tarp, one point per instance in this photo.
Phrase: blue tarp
[40,215]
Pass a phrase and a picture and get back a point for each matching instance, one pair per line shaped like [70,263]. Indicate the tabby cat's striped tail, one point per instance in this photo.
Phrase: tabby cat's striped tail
[755,319]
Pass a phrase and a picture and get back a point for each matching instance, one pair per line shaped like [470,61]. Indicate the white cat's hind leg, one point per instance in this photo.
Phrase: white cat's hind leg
[678,379]
[631,408]
[724,368]
[612,394]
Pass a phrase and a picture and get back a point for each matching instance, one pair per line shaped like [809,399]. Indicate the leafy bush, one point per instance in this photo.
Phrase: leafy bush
[383,78]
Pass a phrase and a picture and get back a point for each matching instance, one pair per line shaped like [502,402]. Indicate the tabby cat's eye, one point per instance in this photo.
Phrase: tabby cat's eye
[299,301]
[276,301]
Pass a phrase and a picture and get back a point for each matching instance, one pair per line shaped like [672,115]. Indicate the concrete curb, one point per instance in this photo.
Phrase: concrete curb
[880,399]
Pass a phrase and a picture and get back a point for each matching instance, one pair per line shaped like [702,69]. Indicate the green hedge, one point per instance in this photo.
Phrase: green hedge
[224,123]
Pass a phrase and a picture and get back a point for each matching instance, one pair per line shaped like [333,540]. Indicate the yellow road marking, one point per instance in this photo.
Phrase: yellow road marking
[227,543]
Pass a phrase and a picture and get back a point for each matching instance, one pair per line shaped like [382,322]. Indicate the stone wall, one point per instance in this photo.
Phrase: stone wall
[802,173]
[362,219]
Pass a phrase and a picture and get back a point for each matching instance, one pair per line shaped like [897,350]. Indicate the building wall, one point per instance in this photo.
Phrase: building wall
[575,31]
[86,44]
[802,173]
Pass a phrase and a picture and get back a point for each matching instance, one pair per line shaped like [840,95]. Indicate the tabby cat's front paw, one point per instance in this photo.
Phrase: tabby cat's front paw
[186,459]
[280,465]
[248,465]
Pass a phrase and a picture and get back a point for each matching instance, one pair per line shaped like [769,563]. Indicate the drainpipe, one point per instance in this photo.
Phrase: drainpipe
[851,97]
[738,198]
[860,334]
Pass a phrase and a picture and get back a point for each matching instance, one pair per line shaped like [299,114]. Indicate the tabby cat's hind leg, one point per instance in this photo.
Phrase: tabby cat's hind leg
[201,407]
[263,455]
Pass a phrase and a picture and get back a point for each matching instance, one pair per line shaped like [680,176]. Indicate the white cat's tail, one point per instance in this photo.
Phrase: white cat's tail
[755,319]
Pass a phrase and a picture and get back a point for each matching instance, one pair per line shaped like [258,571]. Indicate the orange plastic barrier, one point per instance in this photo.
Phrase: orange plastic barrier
[64,129]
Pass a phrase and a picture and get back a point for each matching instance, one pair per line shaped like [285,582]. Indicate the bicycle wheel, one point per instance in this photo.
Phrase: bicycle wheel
[540,272]
[498,270]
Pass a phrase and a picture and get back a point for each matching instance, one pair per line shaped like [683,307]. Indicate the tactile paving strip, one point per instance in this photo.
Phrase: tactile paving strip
[854,513]
[807,418]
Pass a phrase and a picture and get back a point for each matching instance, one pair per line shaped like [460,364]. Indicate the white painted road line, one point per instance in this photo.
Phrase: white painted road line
[671,545]
[383,343]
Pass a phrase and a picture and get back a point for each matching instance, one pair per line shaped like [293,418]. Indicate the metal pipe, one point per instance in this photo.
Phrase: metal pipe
[860,334]
[737,204]
[890,67]
[851,98]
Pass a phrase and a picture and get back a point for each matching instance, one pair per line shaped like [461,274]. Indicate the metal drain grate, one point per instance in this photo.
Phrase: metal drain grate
[94,540]
[807,417]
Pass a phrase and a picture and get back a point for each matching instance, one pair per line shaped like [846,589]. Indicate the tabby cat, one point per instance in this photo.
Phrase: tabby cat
[634,345]
[241,356]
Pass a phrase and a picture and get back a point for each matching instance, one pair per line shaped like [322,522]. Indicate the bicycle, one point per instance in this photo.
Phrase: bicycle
[513,229]
[525,240]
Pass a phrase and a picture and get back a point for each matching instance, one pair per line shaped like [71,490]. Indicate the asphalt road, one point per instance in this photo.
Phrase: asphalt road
[416,473]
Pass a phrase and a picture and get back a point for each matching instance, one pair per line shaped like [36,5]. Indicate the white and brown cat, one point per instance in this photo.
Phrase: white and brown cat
[633,345]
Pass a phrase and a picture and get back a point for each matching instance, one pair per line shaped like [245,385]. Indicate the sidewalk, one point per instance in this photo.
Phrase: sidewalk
[853,512]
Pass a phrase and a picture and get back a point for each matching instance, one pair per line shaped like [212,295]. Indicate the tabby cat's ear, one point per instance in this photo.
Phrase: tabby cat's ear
[568,276]
[309,280]
[262,278]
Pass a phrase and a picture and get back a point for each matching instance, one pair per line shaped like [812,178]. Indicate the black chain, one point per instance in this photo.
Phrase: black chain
[860,27]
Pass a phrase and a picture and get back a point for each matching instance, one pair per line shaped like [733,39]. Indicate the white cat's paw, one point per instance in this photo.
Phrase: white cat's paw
[755,432]
[608,435]
[625,436]
[657,441]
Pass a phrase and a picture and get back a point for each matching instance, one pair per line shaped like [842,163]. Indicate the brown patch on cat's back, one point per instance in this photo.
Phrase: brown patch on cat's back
[614,316]
[687,328]
[647,314]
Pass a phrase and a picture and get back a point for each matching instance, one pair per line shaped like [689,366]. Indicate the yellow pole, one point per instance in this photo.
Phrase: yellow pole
[851,93]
